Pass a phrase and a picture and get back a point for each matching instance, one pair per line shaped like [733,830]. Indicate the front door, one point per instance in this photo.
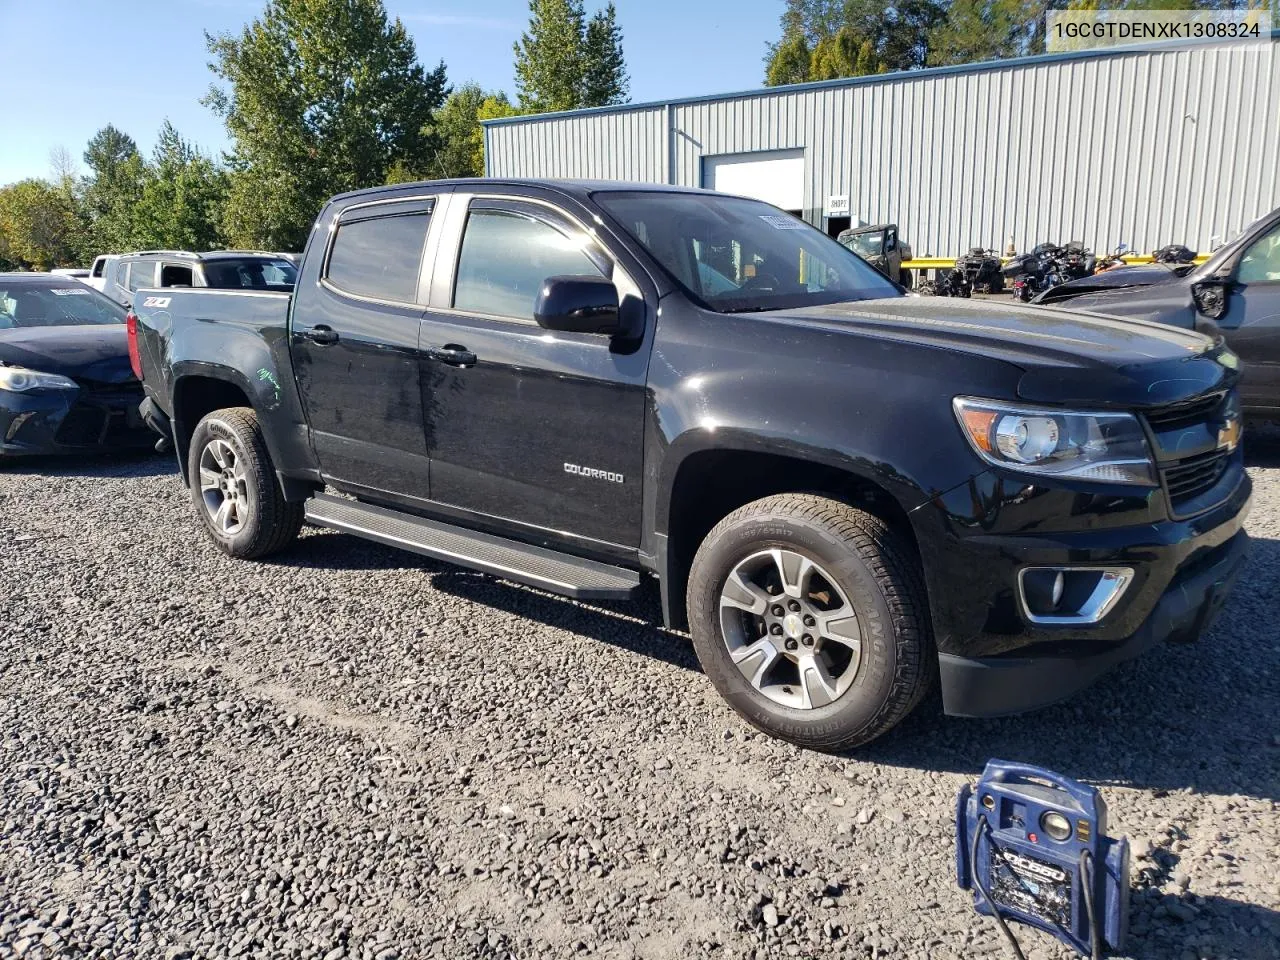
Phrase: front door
[543,429]
[1251,324]
[355,350]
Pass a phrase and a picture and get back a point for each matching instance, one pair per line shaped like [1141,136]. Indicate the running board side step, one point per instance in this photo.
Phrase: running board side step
[509,559]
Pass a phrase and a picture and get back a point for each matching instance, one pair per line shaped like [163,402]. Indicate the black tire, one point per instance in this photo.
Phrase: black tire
[876,571]
[270,522]
[904,278]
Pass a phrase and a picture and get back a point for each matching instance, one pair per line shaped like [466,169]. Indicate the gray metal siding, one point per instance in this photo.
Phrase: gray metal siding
[1146,148]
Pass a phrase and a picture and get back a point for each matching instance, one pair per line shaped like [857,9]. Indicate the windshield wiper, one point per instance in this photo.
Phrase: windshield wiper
[751,309]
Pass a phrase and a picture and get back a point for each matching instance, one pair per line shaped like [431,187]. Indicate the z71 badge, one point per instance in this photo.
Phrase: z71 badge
[157,302]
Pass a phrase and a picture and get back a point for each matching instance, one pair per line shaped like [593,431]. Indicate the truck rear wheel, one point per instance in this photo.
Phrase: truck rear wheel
[234,488]
[810,618]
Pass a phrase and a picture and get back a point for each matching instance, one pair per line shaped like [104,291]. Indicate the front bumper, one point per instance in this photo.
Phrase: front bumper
[72,421]
[993,659]
[994,686]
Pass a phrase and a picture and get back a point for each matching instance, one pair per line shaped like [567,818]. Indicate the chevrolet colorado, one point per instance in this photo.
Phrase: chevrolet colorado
[845,493]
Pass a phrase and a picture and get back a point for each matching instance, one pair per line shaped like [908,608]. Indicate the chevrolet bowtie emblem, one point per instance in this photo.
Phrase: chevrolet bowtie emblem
[1229,435]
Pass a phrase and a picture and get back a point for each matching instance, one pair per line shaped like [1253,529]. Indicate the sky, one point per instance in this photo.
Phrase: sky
[73,66]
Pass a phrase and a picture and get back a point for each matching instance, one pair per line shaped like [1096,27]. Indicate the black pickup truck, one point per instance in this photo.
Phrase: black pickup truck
[845,493]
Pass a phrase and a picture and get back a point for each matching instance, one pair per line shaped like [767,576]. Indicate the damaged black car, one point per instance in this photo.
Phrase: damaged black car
[66,383]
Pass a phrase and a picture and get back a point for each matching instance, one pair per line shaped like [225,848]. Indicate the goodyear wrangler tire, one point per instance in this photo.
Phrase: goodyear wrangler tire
[234,488]
[810,618]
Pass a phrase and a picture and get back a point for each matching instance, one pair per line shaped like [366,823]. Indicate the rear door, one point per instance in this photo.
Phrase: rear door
[1251,324]
[354,343]
[537,428]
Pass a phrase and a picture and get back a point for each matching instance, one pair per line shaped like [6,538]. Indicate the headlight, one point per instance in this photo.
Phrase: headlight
[20,379]
[1105,447]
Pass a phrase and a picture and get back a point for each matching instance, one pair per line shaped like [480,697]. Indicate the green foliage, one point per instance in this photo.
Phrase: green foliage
[321,96]
[604,73]
[458,124]
[978,30]
[826,39]
[37,225]
[181,199]
[564,62]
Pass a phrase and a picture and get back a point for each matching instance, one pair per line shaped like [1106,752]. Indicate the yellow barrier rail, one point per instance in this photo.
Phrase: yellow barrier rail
[947,263]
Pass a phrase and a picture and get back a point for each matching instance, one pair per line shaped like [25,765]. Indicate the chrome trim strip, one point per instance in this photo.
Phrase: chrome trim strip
[1111,587]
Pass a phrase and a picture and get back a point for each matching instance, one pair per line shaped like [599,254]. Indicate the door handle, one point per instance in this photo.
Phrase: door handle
[452,354]
[322,335]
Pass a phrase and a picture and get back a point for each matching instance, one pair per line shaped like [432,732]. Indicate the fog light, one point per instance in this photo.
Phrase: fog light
[16,424]
[1071,595]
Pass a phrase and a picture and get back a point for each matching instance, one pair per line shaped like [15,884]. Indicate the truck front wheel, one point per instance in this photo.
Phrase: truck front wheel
[810,618]
[234,488]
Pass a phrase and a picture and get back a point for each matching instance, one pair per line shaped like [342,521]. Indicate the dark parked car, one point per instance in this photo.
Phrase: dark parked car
[841,490]
[1235,294]
[65,381]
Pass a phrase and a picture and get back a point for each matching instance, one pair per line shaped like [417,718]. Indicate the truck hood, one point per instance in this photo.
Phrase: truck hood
[1066,356]
[97,352]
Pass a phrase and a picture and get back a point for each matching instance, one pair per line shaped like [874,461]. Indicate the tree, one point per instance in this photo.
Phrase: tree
[549,64]
[181,201]
[107,151]
[826,39]
[37,225]
[976,30]
[604,76]
[321,96]
[564,61]
[458,124]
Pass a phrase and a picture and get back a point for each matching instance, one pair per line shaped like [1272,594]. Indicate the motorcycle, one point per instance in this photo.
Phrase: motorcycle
[1075,261]
[1174,253]
[949,283]
[981,270]
[1112,260]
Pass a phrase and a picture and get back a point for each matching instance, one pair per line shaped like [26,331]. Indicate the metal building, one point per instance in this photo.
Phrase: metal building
[1145,147]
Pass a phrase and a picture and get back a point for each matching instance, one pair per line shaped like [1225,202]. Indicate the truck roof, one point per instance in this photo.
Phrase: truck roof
[575,188]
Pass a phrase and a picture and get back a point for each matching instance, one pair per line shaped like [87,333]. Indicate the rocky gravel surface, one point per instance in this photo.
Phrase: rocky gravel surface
[350,752]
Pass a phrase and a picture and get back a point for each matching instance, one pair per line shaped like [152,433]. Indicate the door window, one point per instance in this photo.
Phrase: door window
[1261,262]
[175,275]
[142,273]
[506,257]
[379,257]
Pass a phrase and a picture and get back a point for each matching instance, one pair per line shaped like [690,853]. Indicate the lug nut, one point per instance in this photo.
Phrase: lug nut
[777,610]
[809,621]
[776,629]
[794,606]
[791,644]
[807,640]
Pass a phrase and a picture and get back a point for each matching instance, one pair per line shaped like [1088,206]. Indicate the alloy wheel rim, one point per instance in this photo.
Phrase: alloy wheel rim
[790,629]
[224,487]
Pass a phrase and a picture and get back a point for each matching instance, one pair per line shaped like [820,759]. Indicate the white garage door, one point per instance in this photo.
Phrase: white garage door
[775,177]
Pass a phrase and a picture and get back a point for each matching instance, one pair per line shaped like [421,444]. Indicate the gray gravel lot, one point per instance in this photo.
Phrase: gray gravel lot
[353,752]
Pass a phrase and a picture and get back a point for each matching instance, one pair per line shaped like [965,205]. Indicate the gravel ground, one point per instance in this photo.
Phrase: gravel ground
[353,752]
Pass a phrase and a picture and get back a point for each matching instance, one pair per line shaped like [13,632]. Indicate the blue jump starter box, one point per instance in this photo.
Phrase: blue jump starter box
[1032,845]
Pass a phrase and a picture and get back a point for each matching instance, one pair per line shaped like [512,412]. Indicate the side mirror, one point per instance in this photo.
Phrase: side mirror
[1210,298]
[579,305]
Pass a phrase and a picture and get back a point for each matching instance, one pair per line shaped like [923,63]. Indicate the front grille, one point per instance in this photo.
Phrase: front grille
[1187,479]
[1185,414]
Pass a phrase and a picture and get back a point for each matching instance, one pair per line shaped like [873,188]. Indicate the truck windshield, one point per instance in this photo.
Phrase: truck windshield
[865,244]
[33,304]
[734,255]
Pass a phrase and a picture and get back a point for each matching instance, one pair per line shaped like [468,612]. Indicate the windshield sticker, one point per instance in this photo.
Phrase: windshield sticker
[68,292]
[780,221]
